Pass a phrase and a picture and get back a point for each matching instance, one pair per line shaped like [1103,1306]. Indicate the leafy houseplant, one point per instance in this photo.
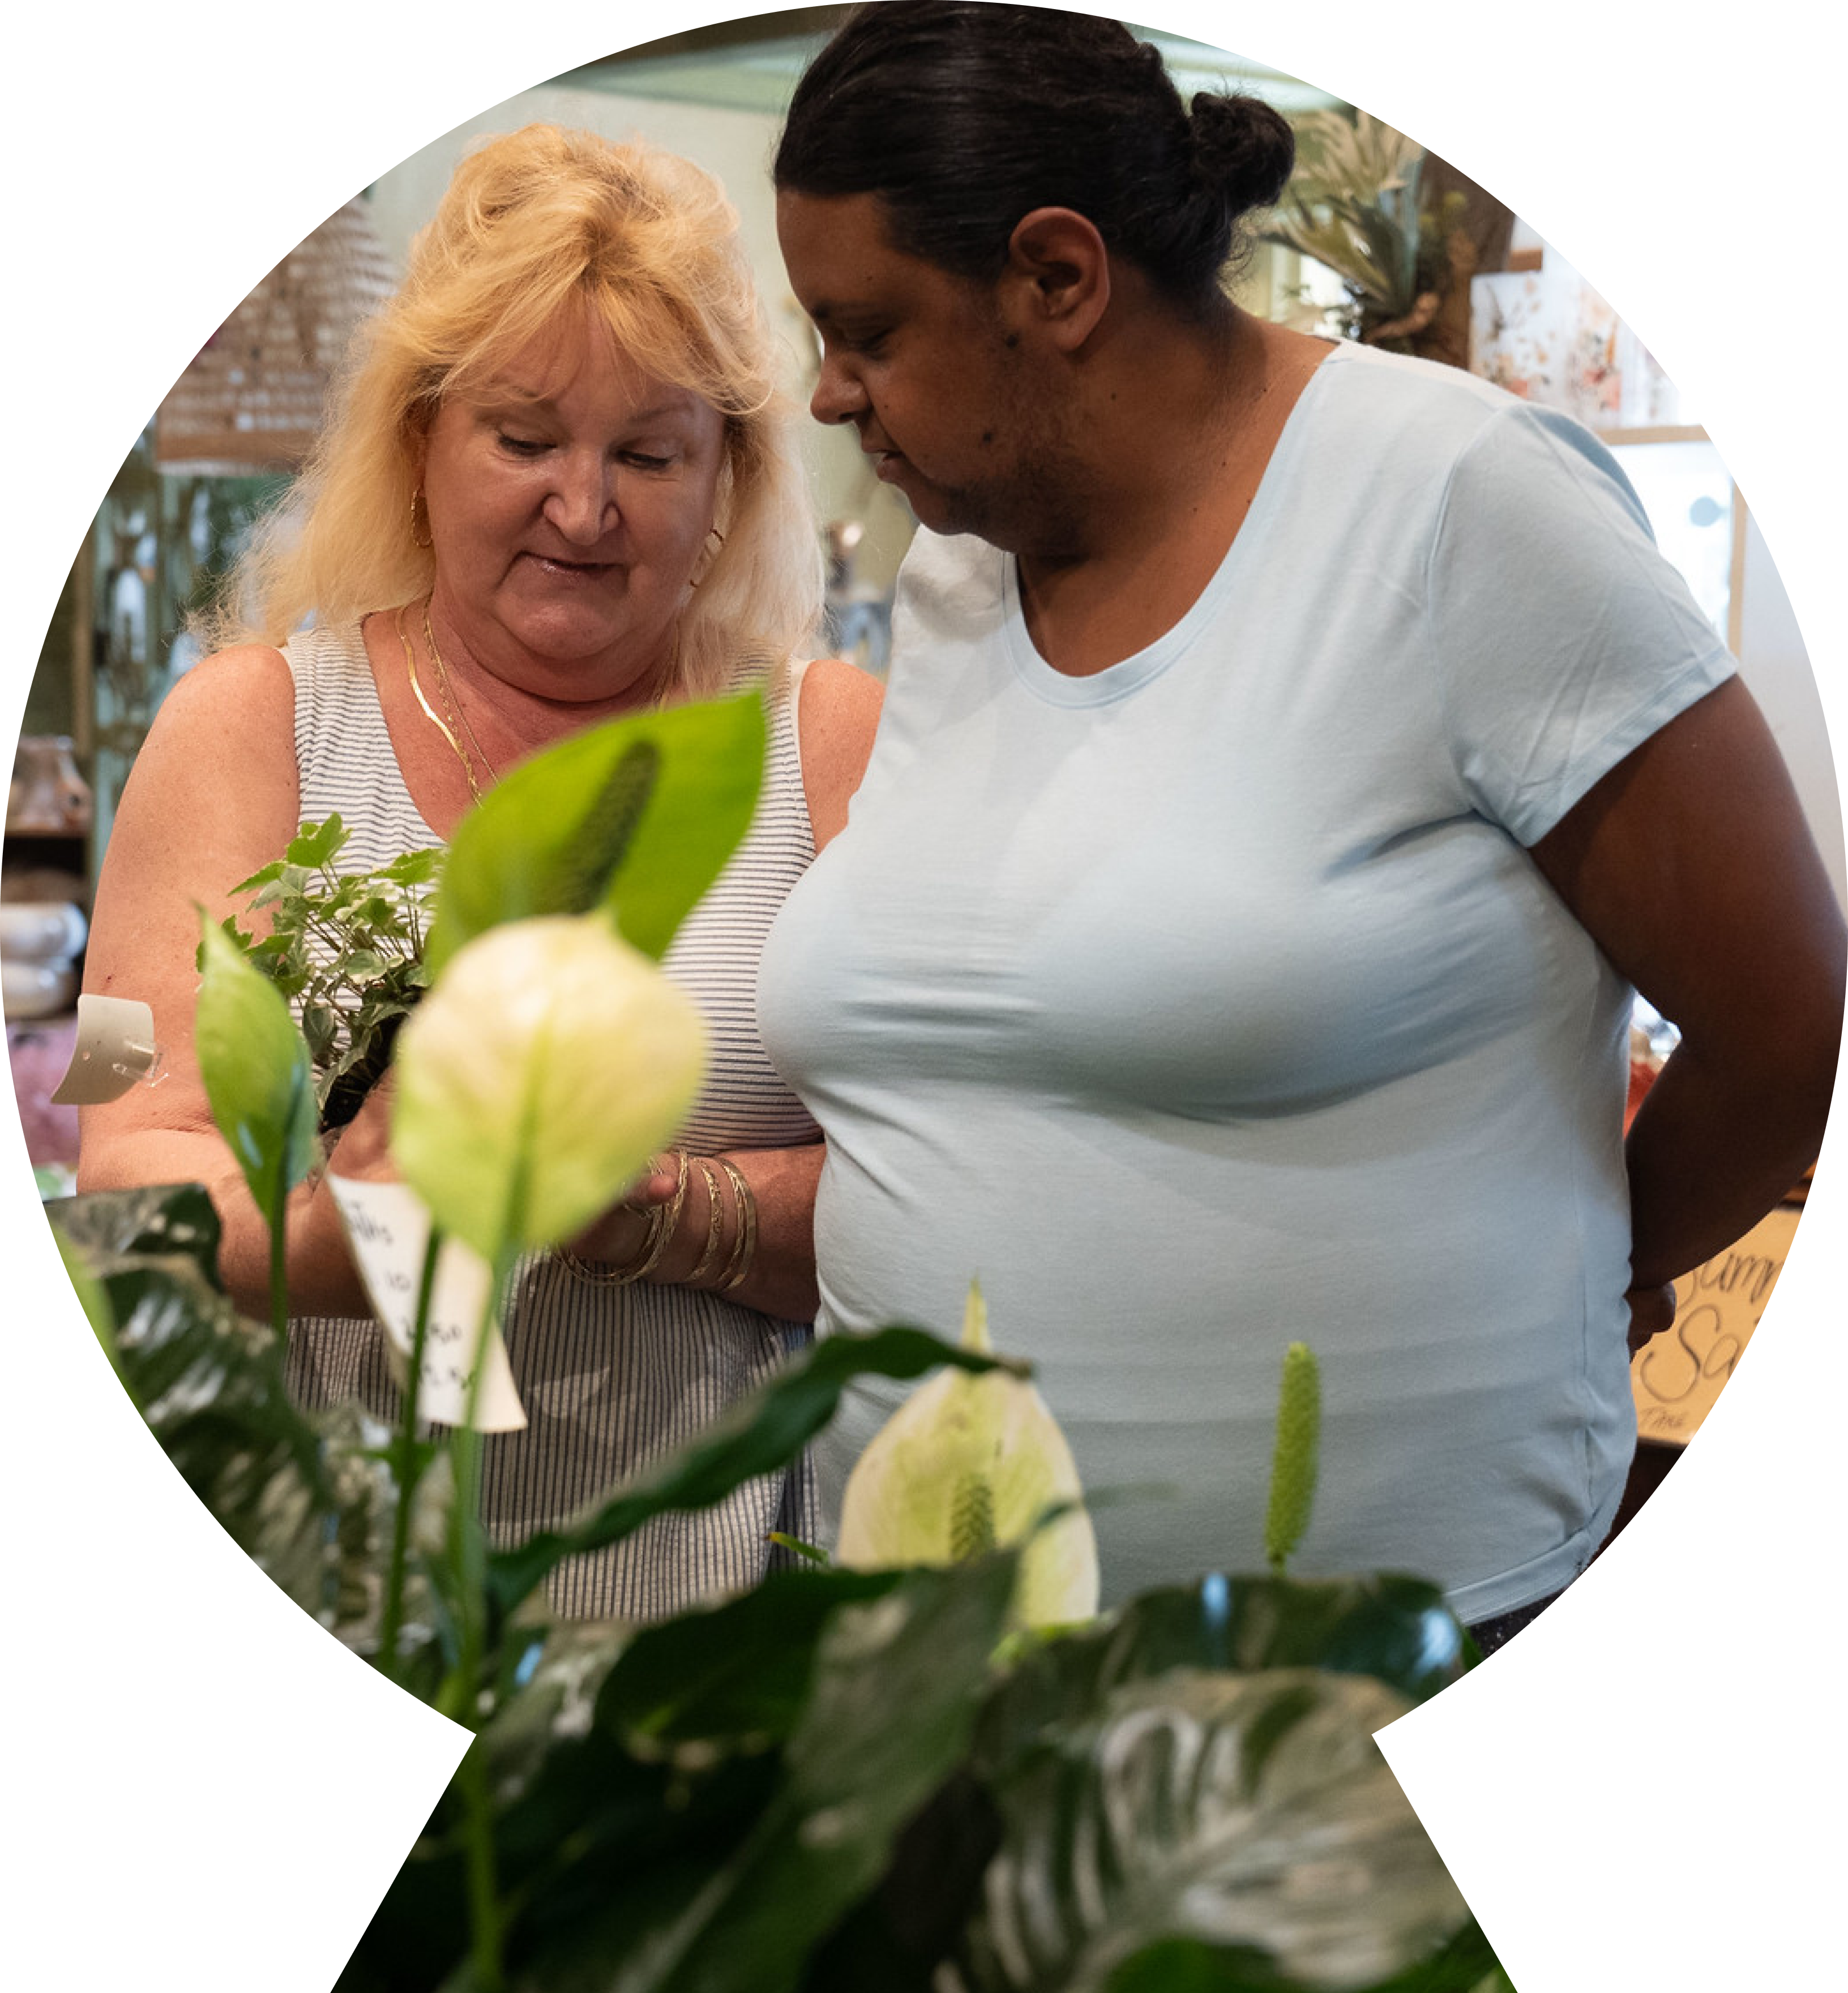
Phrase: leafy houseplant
[843,1778]
[346,949]
[1354,205]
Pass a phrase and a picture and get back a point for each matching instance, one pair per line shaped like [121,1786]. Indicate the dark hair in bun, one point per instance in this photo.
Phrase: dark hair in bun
[963,117]
[1244,147]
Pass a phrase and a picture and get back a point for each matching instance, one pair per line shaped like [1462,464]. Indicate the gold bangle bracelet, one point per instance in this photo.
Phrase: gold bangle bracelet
[739,1265]
[669,1215]
[662,1219]
[714,1227]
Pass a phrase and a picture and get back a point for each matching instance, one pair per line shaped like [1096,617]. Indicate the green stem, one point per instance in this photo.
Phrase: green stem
[469,1567]
[278,1267]
[406,1470]
[484,1903]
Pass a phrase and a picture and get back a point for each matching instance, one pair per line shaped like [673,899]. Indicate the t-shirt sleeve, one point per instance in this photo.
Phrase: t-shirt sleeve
[1562,638]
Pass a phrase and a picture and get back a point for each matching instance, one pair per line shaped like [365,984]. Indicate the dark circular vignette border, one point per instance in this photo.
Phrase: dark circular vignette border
[228,1790]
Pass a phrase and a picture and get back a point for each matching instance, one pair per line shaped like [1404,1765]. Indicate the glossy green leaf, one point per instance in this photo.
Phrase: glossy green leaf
[650,1793]
[1253,1812]
[1394,1629]
[256,1071]
[897,1683]
[1462,1964]
[640,814]
[92,1296]
[735,1675]
[209,1383]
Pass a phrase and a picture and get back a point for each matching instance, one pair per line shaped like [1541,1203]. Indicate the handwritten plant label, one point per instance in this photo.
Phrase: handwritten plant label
[389,1228]
[1678,1375]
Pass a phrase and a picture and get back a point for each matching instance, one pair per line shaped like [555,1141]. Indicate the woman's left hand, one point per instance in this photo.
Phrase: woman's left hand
[780,1277]
[619,1236]
[1652,1311]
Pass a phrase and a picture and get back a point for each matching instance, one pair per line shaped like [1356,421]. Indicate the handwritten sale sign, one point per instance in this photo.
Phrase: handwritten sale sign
[1678,1374]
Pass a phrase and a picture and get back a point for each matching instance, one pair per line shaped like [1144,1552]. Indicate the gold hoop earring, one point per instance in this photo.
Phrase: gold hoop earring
[418,505]
[713,533]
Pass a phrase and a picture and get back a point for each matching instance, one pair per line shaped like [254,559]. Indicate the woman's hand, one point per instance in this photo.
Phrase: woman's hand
[1652,1311]
[765,1261]
[362,1150]
[620,1237]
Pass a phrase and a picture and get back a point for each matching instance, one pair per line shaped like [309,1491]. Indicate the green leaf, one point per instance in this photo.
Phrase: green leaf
[92,1298]
[640,814]
[896,1682]
[1396,1628]
[1249,1814]
[1190,1965]
[256,1072]
[809,1553]
[268,876]
[734,1676]
[315,845]
[762,1435]
[413,868]
[208,1383]
[660,1834]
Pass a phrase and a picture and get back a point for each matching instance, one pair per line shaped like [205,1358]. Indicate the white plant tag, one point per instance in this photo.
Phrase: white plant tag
[388,1228]
[115,1047]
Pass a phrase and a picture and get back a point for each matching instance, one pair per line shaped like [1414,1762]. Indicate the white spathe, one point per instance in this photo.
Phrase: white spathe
[970,1462]
[550,1062]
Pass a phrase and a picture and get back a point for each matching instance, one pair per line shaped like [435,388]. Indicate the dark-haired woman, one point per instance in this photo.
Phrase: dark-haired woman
[1293,755]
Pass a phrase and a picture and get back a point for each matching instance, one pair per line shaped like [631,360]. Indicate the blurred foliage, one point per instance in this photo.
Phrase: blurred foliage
[1354,205]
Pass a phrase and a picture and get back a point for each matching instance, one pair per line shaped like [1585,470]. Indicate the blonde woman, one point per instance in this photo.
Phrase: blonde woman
[558,485]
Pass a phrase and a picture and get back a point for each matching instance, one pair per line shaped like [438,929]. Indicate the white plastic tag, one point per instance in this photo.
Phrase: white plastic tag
[115,1047]
[389,1228]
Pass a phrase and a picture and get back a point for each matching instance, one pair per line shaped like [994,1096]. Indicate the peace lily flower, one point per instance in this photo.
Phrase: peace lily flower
[968,1464]
[548,1063]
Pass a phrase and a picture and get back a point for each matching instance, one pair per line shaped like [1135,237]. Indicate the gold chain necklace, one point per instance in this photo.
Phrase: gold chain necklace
[451,700]
[430,712]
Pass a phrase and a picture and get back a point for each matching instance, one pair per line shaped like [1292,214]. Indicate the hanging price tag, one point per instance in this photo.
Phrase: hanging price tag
[389,1229]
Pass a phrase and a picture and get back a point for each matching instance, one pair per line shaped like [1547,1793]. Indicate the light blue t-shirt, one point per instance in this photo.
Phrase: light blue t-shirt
[1211,1003]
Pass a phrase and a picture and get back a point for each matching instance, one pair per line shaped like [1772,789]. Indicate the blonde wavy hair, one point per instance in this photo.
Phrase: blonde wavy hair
[535,223]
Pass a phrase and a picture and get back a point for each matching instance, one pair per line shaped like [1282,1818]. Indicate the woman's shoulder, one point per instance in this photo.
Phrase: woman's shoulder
[1427,408]
[259,669]
[838,706]
[242,682]
[225,727]
[1415,405]
[839,688]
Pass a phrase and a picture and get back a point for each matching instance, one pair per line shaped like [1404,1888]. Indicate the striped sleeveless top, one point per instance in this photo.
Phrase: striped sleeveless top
[610,1377]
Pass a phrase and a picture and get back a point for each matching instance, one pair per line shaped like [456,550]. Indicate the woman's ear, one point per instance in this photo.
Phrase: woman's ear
[414,440]
[1059,259]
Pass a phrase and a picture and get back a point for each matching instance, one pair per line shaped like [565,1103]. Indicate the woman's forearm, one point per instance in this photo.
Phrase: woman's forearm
[1718,1140]
[321,1275]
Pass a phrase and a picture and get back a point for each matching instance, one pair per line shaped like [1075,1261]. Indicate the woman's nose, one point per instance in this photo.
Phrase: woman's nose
[839,395]
[582,505]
